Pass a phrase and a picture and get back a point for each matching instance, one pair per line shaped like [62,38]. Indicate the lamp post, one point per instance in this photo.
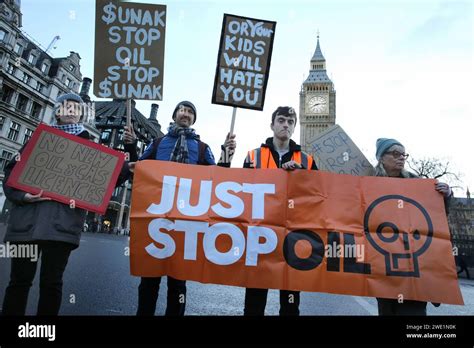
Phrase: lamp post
[122,205]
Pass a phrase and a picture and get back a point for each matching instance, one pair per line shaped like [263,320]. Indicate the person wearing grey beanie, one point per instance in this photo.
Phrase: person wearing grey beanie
[391,157]
[52,228]
[69,96]
[68,111]
[181,106]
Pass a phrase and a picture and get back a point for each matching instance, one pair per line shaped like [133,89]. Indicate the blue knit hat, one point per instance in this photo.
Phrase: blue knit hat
[383,144]
[188,104]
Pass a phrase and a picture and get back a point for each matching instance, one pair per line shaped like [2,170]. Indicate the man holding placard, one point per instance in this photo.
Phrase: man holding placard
[181,144]
[277,152]
[45,225]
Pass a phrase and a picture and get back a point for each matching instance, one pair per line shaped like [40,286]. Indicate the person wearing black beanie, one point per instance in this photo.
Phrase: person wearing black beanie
[181,144]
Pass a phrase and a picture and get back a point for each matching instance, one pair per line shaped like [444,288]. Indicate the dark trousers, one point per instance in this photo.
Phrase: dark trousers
[148,295]
[54,258]
[464,268]
[256,301]
[407,307]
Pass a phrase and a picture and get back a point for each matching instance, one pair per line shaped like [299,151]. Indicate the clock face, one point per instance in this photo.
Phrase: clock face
[318,104]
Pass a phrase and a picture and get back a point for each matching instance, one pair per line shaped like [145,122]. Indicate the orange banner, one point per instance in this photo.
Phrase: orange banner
[301,230]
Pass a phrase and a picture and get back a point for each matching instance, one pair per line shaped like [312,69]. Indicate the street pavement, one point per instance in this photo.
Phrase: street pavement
[97,281]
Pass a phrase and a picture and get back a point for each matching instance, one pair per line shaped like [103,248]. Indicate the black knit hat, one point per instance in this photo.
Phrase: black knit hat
[188,104]
[287,111]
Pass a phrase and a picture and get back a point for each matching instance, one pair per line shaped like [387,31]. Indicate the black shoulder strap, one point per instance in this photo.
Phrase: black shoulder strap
[202,153]
[154,148]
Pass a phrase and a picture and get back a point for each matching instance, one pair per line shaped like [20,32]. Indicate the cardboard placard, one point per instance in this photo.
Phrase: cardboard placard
[303,230]
[129,50]
[243,62]
[68,169]
[334,151]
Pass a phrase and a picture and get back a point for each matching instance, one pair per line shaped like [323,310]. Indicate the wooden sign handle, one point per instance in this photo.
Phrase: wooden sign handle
[129,113]
[232,124]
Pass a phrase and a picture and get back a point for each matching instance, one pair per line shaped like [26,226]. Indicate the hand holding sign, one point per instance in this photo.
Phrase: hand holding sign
[291,165]
[30,198]
[230,142]
[443,188]
[129,136]
[228,149]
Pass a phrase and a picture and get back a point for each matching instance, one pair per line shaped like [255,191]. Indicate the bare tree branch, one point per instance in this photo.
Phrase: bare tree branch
[434,168]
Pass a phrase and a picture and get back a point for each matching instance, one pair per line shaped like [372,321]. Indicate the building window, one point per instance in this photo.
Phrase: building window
[5,158]
[3,34]
[26,78]
[31,59]
[22,102]
[71,68]
[17,48]
[2,121]
[7,94]
[44,67]
[36,110]
[11,69]
[67,82]
[14,131]
[28,134]
[39,87]
[105,136]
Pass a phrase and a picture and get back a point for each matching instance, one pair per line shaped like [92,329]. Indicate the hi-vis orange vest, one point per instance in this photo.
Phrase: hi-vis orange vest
[262,158]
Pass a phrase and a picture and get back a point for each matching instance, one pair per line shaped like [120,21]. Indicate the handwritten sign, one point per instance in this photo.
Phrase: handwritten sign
[129,50]
[335,152]
[69,169]
[243,62]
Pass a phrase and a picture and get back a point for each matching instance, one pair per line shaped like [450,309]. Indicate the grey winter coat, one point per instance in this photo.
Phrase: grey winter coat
[46,220]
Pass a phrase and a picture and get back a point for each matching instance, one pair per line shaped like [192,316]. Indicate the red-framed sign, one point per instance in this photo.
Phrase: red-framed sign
[68,169]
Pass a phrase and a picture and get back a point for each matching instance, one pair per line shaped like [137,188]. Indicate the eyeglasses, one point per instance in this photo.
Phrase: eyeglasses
[397,154]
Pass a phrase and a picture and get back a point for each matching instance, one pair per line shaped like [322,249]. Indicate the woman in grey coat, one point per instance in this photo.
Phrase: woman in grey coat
[52,228]
[391,158]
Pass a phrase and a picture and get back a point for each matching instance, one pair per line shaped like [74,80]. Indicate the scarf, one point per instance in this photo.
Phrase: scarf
[180,151]
[73,129]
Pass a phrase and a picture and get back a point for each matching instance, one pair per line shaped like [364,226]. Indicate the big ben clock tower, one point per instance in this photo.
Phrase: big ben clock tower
[317,101]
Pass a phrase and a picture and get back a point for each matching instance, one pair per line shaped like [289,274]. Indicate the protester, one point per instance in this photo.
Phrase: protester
[277,152]
[463,267]
[391,157]
[53,228]
[181,144]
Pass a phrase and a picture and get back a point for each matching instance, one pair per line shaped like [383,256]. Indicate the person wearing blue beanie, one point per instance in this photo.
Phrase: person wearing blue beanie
[391,157]
[383,144]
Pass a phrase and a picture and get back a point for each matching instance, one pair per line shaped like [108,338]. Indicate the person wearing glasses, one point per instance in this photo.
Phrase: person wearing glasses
[391,159]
